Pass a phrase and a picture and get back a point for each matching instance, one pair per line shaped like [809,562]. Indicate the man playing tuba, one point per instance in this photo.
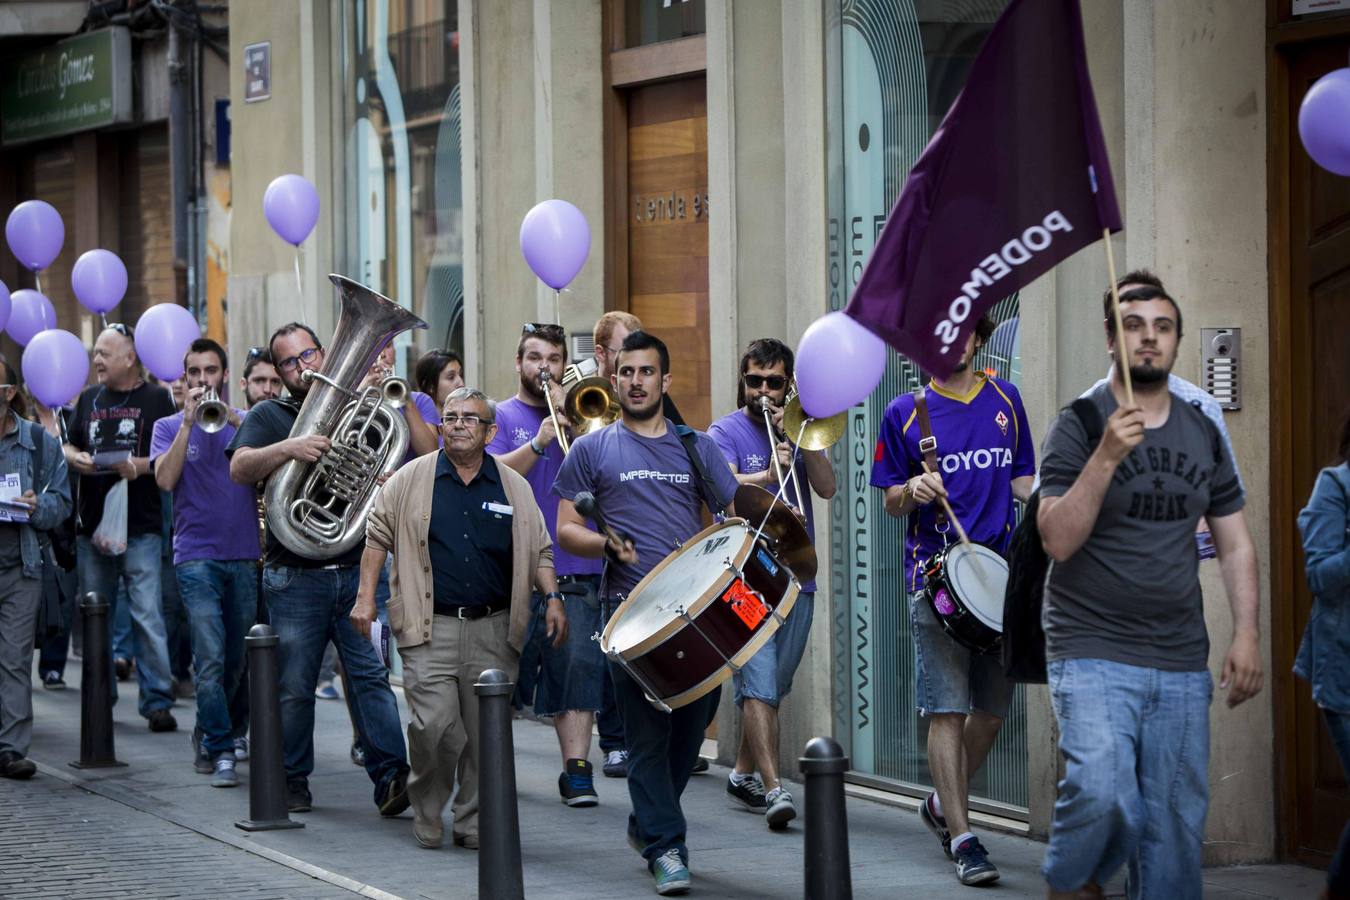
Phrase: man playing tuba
[309,599]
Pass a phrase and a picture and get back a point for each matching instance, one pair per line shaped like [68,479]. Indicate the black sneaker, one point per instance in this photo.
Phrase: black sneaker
[162,720]
[395,800]
[748,793]
[12,765]
[201,760]
[616,764]
[358,754]
[936,824]
[779,809]
[53,681]
[972,863]
[700,766]
[298,798]
[122,668]
[577,784]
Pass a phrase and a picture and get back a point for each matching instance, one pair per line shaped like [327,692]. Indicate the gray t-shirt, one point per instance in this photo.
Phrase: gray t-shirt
[1131,594]
[646,489]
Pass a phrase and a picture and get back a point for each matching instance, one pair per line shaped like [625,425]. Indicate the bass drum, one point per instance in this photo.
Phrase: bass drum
[964,587]
[700,614]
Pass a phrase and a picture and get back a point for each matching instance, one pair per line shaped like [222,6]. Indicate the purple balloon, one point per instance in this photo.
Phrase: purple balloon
[100,280]
[55,366]
[5,306]
[1324,121]
[163,336]
[839,362]
[30,313]
[555,240]
[35,234]
[291,205]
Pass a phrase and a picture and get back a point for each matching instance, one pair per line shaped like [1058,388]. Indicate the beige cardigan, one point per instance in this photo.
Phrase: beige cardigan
[400,524]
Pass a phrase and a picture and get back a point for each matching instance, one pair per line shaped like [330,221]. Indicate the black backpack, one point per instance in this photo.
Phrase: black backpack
[1023,637]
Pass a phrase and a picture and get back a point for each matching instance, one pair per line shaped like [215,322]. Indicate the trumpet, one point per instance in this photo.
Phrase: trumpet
[590,405]
[765,404]
[212,413]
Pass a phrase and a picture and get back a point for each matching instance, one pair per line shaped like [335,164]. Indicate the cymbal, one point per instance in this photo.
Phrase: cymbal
[791,544]
[819,433]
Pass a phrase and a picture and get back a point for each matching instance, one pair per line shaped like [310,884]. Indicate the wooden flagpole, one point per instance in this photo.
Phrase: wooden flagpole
[1120,325]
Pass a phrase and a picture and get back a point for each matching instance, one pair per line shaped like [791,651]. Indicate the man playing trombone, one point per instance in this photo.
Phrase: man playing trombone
[215,550]
[753,442]
[566,680]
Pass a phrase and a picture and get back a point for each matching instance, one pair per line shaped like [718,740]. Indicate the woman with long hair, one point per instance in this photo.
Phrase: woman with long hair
[438,373]
[1324,656]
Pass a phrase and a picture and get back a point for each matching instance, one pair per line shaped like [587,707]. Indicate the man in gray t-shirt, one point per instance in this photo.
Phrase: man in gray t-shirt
[1124,620]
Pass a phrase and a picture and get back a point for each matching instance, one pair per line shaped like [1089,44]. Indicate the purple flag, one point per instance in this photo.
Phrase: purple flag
[1015,180]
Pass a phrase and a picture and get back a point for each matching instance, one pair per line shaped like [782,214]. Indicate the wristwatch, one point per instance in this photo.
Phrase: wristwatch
[553,595]
[534,445]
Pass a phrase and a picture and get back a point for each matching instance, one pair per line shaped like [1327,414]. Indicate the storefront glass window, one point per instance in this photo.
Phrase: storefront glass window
[654,21]
[404,213]
[893,68]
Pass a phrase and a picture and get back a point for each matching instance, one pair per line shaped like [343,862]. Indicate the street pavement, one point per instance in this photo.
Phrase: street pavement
[156,828]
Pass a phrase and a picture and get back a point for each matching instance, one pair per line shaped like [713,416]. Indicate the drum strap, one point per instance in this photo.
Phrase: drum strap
[927,443]
[689,438]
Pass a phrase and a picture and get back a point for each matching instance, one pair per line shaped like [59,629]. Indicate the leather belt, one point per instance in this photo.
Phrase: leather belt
[471,610]
[578,579]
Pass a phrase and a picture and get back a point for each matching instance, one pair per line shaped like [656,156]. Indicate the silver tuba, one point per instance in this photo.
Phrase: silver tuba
[319,510]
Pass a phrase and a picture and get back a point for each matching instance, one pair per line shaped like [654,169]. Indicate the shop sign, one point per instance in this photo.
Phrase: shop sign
[1306,7]
[258,72]
[78,84]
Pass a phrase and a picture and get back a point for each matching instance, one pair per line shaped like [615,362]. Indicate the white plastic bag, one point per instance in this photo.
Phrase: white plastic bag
[110,538]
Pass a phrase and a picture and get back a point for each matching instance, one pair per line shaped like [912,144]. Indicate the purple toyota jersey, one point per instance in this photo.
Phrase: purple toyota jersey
[983,443]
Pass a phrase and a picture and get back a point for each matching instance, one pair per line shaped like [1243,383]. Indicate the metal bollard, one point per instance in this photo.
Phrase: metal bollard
[499,870]
[266,768]
[828,875]
[96,701]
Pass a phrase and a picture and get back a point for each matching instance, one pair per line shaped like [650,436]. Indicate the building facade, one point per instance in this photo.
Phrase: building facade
[735,161]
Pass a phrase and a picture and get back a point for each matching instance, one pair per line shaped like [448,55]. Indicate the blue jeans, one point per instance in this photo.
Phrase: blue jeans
[1136,746]
[608,721]
[222,601]
[176,624]
[662,750]
[119,613]
[1338,873]
[138,571]
[767,677]
[308,608]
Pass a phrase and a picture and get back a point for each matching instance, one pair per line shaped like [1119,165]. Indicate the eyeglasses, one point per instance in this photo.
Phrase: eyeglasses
[254,353]
[775,382]
[470,422]
[554,334]
[306,357]
[123,330]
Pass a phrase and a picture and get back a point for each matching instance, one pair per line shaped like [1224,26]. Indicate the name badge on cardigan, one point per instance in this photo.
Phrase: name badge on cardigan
[500,509]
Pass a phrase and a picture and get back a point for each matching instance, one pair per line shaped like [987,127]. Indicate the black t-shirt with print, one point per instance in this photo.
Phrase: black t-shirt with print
[110,423]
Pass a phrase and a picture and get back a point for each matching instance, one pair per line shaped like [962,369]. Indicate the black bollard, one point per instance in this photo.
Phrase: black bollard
[266,768]
[96,701]
[828,875]
[499,872]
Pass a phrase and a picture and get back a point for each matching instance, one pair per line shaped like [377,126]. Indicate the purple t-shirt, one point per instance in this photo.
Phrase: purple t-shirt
[213,518]
[517,422]
[646,489]
[427,407]
[745,444]
[983,443]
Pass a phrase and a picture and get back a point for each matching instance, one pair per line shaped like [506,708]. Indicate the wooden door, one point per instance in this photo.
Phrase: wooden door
[1315,352]
[667,225]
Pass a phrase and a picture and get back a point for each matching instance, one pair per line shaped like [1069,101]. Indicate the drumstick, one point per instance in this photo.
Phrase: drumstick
[585,504]
[947,508]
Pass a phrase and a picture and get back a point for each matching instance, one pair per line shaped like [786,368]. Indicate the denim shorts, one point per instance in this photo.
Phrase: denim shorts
[571,677]
[767,677]
[948,678]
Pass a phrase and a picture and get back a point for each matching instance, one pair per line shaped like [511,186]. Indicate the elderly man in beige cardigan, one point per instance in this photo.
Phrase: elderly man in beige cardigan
[468,541]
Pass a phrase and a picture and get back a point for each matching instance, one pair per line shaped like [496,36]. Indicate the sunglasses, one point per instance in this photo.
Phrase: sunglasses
[775,382]
[123,330]
[552,333]
[306,357]
[254,353]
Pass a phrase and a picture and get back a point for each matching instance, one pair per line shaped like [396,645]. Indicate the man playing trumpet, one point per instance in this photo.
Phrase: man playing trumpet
[750,446]
[566,680]
[215,549]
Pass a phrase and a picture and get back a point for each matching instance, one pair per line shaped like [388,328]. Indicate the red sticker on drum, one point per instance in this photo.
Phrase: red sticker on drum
[745,604]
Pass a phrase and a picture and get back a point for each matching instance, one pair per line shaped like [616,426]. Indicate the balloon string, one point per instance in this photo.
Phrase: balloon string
[37,279]
[557,306]
[299,286]
[104,317]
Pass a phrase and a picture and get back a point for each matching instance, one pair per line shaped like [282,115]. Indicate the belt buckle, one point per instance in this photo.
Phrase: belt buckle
[459,613]
[928,445]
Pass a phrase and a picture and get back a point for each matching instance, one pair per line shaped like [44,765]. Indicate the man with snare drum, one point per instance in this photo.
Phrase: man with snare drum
[983,459]
[650,491]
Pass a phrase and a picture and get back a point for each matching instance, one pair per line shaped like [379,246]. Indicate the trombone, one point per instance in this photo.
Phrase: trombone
[590,405]
[212,413]
[809,433]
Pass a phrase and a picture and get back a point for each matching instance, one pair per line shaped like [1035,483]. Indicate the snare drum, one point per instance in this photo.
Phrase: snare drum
[964,586]
[700,614]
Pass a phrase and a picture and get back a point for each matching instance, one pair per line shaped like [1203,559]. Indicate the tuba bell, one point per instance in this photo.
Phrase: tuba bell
[319,510]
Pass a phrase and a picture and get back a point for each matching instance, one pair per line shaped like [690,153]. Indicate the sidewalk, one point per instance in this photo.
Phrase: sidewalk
[158,829]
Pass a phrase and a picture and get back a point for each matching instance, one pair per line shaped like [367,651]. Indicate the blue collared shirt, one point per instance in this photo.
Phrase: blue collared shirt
[1325,524]
[469,540]
[18,455]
